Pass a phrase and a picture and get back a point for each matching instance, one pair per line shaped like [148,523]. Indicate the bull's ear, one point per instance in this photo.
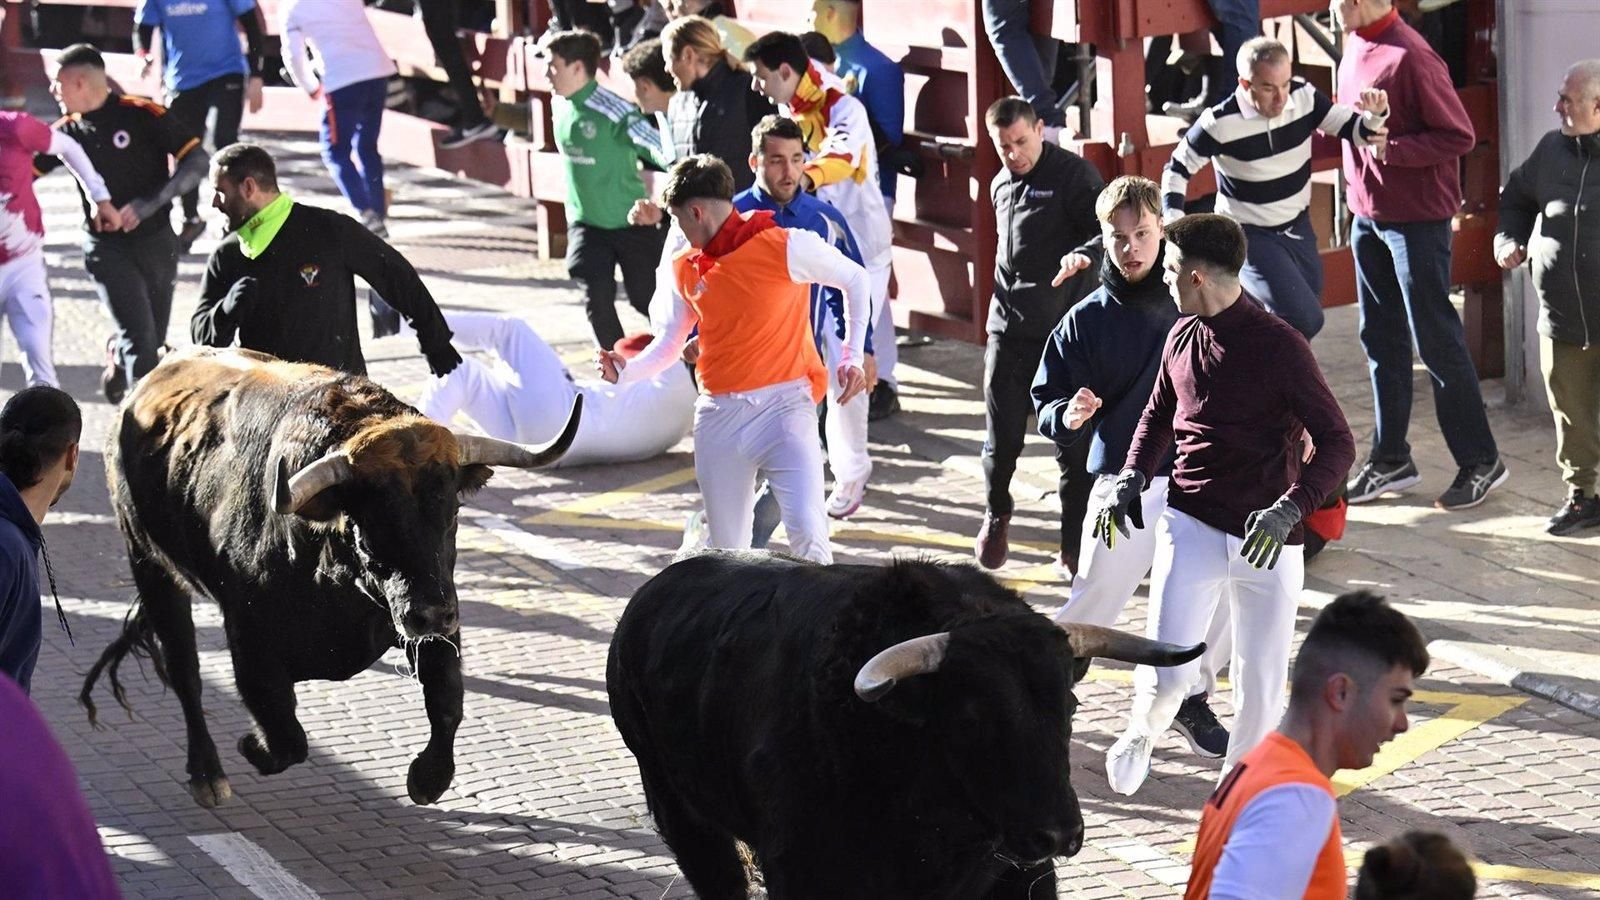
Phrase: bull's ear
[473,478]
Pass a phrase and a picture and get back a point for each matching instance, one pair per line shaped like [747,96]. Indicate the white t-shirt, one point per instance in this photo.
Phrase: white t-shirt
[1274,844]
[347,48]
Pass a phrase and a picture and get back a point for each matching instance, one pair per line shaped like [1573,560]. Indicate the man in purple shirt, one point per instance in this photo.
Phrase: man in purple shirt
[1238,391]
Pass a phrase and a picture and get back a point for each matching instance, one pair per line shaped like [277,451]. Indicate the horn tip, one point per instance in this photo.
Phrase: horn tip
[873,689]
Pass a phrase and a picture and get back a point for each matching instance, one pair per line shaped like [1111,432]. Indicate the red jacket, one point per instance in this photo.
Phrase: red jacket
[1417,180]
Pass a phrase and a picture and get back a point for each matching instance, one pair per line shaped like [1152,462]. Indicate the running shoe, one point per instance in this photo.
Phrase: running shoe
[113,381]
[991,547]
[1128,762]
[883,402]
[1376,479]
[460,137]
[696,536]
[1472,485]
[192,231]
[846,498]
[1199,726]
[1578,513]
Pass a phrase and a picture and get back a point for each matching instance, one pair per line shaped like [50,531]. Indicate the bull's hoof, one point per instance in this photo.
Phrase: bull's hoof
[429,778]
[210,792]
[255,751]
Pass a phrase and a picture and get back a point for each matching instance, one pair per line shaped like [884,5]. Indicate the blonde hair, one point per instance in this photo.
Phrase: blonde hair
[694,32]
[1136,191]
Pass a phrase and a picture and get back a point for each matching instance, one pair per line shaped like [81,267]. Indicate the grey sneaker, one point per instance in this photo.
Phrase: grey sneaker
[1199,726]
[1376,479]
[1472,484]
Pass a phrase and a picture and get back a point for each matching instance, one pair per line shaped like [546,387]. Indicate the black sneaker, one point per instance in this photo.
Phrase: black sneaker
[1472,484]
[113,381]
[1376,479]
[460,137]
[1199,726]
[883,403]
[191,232]
[1578,513]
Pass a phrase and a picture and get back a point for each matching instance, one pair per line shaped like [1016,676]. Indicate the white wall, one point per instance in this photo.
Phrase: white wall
[1538,40]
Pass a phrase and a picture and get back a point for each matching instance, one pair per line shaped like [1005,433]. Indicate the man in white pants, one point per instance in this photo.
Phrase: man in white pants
[1237,392]
[24,289]
[1099,365]
[529,404]
[747,286]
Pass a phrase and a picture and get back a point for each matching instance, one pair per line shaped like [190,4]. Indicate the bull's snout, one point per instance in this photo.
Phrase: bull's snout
[1043,843]
[430,620]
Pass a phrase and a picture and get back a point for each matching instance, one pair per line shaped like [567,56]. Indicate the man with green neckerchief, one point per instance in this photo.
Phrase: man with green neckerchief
[284,281]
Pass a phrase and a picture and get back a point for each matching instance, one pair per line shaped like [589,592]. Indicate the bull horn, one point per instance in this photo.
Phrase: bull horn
[486,451]
[294,493]
[918,656]
[1108,643]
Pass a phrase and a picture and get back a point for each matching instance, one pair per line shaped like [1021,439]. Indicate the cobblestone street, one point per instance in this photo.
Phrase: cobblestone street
[546,801]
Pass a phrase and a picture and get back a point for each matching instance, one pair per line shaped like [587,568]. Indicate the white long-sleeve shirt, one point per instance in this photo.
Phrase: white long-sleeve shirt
[1273,846]
[810,259]
[347,48]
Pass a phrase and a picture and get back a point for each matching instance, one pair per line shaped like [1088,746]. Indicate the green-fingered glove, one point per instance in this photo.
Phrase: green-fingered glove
[1121,508]
[1266,530]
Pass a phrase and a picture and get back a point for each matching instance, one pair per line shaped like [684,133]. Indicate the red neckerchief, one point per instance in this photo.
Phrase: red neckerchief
[731,236]
[1380,26]
[809,93]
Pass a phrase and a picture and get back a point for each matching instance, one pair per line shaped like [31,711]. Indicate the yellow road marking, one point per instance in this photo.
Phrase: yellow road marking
[599,502]
[1466,712]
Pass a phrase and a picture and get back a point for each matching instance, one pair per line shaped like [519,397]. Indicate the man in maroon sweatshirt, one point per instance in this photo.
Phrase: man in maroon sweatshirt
[1403,200]
[1238,390]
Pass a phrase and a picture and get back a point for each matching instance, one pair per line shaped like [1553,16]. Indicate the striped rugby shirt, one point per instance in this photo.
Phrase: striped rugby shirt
[1263,165]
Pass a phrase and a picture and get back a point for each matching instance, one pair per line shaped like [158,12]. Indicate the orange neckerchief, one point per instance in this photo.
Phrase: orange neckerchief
[731,236]
[1380,26]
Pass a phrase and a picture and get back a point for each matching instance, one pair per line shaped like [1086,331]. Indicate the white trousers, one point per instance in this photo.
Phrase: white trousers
[883,346]
[846,426]
[1196,568]
[769,432]
[25,293]
[1106,579]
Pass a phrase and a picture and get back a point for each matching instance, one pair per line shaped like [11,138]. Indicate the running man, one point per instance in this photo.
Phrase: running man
[24,289]
[841,168]
[1237,391]
[530,403]
[130,140]
[746,285]
[1097,371]
[1271,829]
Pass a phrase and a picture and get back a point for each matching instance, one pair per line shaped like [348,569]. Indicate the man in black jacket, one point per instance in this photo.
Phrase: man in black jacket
[1044,209]
[283,281]
[715,107]
[1561,180]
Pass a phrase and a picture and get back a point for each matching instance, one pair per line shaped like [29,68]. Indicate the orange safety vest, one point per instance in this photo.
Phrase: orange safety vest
[1277,760]
[755,323]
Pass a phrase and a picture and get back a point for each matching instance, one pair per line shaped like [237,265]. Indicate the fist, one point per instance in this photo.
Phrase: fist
[1071,264]
[1374,101]
[1512,258]
[609,365]
[645,213]
[691,351]
[1081,408]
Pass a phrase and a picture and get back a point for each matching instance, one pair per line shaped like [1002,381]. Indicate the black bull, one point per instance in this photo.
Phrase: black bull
[317,573]
[760,697]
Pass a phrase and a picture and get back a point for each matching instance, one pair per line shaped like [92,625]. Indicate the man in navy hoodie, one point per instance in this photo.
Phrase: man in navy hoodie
[1097,371]
[39,430]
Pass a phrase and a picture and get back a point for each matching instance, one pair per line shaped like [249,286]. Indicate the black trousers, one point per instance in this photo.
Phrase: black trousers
[1008,369]
[593,255]
[134,276]
[213,109]
[441,19]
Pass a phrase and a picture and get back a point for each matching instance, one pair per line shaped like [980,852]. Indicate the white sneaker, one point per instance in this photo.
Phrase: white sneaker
[375,223]
[846,498]
[695,534]
[1128,762]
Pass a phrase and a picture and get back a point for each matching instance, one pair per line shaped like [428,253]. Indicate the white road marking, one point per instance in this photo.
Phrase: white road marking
[133,847]
[252,867]
[1147,859]
[539,548]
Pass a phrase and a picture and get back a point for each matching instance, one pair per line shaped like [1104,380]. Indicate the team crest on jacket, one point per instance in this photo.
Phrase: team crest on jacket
[309,273]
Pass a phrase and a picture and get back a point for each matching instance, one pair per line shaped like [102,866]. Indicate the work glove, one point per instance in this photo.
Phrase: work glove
[1121,508]
[442,360]
[1266,531]
[239,296]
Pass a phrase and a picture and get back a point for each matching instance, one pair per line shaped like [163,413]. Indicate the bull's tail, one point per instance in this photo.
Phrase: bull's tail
[138,638]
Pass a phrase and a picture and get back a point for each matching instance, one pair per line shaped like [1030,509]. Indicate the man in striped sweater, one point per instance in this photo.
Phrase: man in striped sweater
[1260,141]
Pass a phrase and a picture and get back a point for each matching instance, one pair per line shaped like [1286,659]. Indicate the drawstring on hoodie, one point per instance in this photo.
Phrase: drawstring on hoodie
[50,574]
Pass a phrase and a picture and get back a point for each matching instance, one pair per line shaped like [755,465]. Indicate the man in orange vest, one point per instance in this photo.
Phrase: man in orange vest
[746,282]
[1271,829]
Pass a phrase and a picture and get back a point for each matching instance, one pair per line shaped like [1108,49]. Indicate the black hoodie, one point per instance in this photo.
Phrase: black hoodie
[1042,216]
[20,617]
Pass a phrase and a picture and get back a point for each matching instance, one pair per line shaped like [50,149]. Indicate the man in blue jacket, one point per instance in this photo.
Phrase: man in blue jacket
[778,153]
[1096,373]
[39,430]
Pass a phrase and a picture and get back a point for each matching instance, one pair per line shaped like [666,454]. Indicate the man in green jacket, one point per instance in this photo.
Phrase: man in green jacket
[283,282]
[602,137]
